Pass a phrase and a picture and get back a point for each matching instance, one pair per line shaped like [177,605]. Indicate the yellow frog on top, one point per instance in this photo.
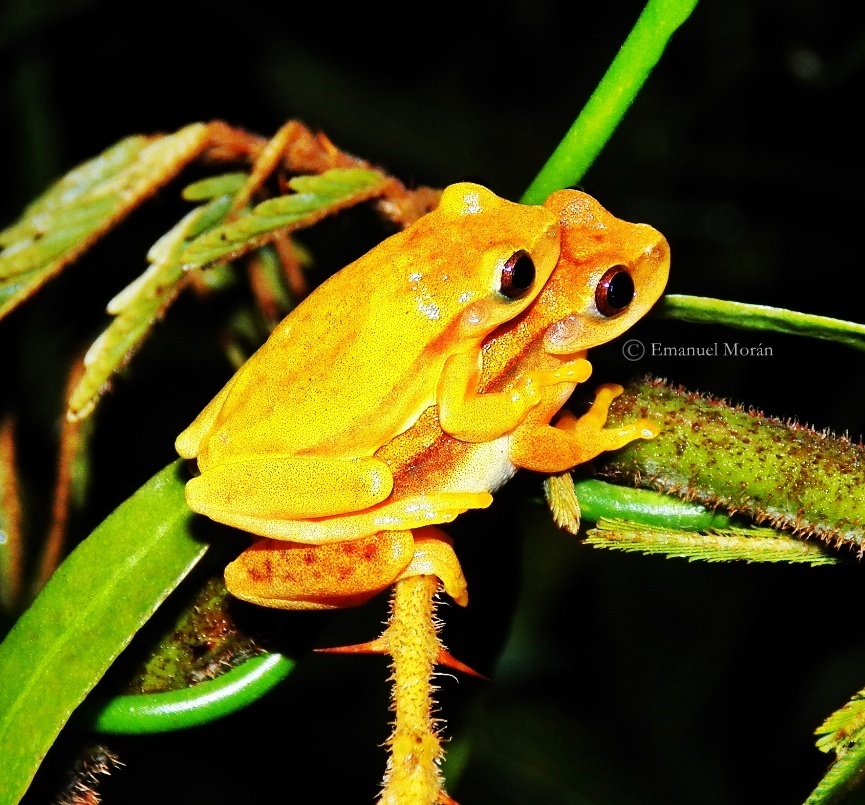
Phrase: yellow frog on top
[292,436]
[410,386]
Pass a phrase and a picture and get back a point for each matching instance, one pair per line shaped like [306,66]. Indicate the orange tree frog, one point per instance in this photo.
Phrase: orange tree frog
[289,443]
[609,274]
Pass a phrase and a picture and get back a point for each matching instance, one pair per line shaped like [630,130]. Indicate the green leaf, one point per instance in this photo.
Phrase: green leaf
[86,203]
[315,198]
[615,93]
[727,545]
[843,732]
[704,310]
[198,240]
[227,184]
[191,707]
[600,500]
[85,616]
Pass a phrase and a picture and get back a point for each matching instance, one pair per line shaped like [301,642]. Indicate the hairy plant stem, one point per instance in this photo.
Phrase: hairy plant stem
[413,776]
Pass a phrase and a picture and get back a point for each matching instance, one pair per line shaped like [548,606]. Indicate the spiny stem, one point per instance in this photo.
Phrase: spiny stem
[413,776]
[807,482]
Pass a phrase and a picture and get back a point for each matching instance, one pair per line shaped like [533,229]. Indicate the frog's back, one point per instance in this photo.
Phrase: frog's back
[359,360]
[339,365]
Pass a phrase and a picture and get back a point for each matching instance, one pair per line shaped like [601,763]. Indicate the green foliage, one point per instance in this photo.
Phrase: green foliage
[717,454]
[599,499]
[723,545]
[121,573]
[843,733]
[701,310]
[201,239]
[86,203]
[85,616]
[604,111]
[145,714]
[315,197]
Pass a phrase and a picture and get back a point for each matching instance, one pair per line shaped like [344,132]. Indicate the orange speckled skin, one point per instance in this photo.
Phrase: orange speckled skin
[351,555]
[292,435]
[593,240]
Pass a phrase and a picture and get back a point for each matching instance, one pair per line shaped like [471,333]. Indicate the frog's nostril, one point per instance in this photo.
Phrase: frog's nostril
[659,251]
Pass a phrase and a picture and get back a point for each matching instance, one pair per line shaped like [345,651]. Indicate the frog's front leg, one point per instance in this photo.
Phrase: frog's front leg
[470,416]
[288,575]
[575,440]
[265,495]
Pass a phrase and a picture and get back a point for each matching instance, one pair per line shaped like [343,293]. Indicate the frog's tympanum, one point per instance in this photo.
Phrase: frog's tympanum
[411,385]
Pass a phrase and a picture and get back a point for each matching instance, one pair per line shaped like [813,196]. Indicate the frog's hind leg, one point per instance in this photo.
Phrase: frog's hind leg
[289,575]
[263,494]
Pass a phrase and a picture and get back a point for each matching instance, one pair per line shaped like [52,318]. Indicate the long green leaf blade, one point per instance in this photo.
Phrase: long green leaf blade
[85,616]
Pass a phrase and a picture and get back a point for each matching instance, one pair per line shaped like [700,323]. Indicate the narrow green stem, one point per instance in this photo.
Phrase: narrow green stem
[744,316]
[189,707]
[595,125]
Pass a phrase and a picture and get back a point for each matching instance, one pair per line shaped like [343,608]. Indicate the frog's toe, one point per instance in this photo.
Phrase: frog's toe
[434,556]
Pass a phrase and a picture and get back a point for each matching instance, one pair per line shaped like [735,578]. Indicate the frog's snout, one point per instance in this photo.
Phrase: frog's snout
[657,253]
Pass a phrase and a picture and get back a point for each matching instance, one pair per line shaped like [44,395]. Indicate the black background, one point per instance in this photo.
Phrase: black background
[615,678]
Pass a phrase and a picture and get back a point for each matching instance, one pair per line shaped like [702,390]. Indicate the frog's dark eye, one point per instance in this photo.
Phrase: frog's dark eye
[615,291]
[518,275]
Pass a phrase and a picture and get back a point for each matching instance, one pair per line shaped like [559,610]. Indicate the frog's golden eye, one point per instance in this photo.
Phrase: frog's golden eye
[518,275]
[615,291]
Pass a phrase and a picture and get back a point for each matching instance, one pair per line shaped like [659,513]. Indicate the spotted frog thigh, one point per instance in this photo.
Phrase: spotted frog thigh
[288,575]
[263,495]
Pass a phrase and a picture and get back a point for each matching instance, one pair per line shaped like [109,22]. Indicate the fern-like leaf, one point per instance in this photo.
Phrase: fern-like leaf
[315,197]
[138,306]
[86,203]
[743,544]
[843,733]
[202,238]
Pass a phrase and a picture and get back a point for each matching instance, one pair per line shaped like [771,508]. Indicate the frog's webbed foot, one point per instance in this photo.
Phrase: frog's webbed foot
[574,440]
[335,575]
[589,428]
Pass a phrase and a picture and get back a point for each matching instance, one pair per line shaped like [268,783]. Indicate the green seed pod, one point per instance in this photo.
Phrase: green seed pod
[790,476]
